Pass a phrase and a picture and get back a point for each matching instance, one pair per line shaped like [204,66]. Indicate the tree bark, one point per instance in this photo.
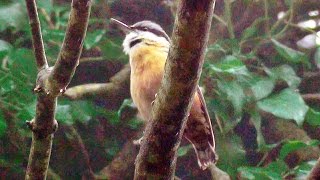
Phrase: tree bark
[118,87]
[315,172]
[51,82]
[37,41]
[157,156]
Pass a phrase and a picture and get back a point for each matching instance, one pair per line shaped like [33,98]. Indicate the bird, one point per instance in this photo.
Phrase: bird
[147,45]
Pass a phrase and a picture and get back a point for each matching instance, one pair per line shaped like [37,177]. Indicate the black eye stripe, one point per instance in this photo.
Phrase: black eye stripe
[133,43]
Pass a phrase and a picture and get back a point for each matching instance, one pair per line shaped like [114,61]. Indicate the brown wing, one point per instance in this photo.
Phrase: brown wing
[199,132]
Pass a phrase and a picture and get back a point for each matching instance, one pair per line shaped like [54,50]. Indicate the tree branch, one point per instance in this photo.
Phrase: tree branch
[37,41]
[117,87]
[69,55]
[311,98]
[157,156]
[120,167]
[50,82]
[315,172]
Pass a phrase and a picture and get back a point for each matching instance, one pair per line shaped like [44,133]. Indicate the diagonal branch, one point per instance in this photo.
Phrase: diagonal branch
[118,87]
[37,41]
[315,172]
[157,156]
[50,84]
[71,49]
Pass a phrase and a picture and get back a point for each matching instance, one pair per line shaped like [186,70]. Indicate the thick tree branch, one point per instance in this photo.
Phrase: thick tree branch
[157,155]
[315,172]
[121,166]
[71,49]
[49,84]
[37,41]
[311,98]
[117,87]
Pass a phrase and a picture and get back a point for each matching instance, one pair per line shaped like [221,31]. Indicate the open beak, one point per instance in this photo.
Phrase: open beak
[125,28]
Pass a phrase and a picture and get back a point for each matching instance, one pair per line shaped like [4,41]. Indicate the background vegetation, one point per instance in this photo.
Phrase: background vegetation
[261,83]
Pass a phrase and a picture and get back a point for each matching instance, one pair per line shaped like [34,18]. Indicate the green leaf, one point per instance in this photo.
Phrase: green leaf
[135,123]
[3,124]
[286,73]
[112,50]
[288,104]
[47,5]
[234,94]
[183,150]
[231,65]
[256,120]
[5,47]
[289,54]
[258,173]
[278,167]
[6,85]
[304,169]
[93,38]
[13,15]
[291,146]
[262,87]
[126,104]
[28,112]
[230,147]
[22,63]
[313,117]
[83,111]
[54,35]
[64,114]
[253,30]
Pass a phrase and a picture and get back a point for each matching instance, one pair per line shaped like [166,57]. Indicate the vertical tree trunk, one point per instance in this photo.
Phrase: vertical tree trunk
[157,156]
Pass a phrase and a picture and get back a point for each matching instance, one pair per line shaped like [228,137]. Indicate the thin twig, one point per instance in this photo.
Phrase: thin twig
[47,18]
[228,11]
[266,16]
[37,41]
[218,18]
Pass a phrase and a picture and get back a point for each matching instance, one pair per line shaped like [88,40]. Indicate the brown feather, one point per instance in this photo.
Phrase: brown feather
[147,67]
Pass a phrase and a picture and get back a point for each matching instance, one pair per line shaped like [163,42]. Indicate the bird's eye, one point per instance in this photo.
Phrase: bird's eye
[145,29]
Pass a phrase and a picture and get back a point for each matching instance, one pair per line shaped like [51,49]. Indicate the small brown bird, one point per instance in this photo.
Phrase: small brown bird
[147,45]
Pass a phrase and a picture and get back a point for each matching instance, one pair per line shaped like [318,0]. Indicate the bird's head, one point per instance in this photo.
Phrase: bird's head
[143,32]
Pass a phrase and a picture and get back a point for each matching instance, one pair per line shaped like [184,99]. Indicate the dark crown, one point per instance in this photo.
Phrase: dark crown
[152,27]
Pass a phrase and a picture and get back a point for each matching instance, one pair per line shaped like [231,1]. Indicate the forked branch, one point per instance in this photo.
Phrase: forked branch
[52,81]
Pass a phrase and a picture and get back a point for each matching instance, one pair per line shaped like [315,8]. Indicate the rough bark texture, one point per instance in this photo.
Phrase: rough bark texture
[122,166]
[315,172]
[50,82]
[117,87]
[71,49]
[37,41]
[157,155]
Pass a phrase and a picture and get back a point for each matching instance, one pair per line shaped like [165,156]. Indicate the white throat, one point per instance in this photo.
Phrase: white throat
[143,36]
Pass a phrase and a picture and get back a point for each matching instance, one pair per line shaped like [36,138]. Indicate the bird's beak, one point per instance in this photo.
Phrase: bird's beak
[125,28]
